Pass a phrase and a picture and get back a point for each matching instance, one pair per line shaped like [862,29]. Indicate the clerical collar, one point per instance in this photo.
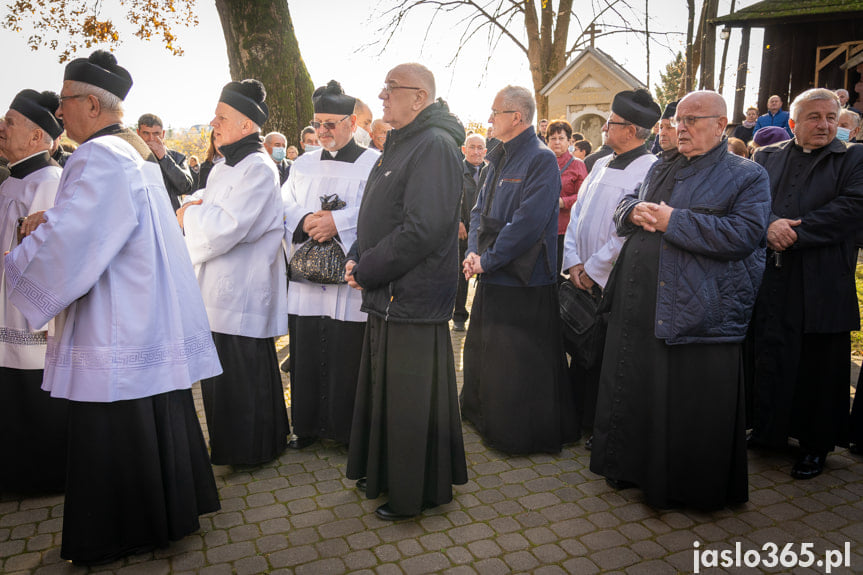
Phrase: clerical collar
[347,153]
[621,161]
[236,151]
[106,131]
[23,168]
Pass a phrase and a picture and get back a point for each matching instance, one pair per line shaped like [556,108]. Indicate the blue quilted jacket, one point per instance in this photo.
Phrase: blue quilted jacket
[712,255]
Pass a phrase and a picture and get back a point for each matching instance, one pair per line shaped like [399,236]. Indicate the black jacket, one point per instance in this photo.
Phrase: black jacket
[831,209]
[470,189]
[178,178]
[407,229]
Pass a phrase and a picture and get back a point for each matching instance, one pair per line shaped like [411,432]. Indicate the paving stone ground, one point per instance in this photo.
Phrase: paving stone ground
[544,514]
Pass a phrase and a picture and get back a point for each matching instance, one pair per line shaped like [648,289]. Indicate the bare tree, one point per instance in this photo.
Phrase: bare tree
[259,38]
[541,29]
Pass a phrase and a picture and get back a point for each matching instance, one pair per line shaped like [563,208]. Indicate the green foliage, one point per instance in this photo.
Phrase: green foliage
[666,91]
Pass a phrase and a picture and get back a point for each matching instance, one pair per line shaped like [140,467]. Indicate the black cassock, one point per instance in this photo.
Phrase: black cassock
[669,418]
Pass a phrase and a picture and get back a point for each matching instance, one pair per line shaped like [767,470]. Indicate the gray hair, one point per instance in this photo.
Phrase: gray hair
[853,116]
[642,133]
[269,137]
[108,101]
[521,100]
[811,96]
[475,136]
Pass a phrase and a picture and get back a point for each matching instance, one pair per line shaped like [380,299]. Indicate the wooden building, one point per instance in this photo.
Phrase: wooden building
[806,42]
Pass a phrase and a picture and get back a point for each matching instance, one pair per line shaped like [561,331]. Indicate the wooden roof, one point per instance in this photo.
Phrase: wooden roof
[771,12]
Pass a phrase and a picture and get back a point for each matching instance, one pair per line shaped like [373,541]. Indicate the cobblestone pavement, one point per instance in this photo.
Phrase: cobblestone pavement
[542,514]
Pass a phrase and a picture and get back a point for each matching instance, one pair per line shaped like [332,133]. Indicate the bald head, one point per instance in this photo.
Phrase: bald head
[421,77]
[701,119]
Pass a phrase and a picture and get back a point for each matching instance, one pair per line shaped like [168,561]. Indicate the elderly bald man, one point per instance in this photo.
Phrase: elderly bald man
[403,261]
[670,411]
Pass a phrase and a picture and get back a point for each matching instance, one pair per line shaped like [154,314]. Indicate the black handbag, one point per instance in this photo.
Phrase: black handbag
[582,324]
[320,262]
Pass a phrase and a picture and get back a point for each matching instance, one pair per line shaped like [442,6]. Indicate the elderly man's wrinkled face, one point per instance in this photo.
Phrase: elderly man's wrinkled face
[816,123]
[334,130]
[229,125]
[474,150]
[667,135]
[400,98]
[699,125]
[16,136]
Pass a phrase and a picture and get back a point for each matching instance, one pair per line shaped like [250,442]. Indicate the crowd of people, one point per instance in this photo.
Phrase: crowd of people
[723,286]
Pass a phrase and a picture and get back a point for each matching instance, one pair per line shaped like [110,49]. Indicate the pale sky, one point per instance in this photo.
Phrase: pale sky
[184,90]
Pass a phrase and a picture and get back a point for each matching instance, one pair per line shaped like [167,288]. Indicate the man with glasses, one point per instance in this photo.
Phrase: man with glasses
[670,409]
[325,323]
[406,437]
[234,230]
[131,332]
[516,392]
[592,245]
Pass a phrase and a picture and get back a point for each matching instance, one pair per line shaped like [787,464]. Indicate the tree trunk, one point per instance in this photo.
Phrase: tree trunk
[547,35]
[708,49]
[742,67]
[686,85]
[261,44]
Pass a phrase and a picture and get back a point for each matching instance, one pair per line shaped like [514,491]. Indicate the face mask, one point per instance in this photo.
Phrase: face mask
[362,137]
[196,169]
[278,154]
[312,148]
[844,134]
[571,149]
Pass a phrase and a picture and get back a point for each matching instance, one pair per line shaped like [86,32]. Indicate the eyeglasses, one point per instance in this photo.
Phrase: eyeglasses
[388,88]
[72,97]
[688,121]
[328,125]
[496,113]
[608,123]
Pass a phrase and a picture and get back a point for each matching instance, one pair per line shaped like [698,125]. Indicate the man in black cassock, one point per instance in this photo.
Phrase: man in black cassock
[807,304]
[670,410]
[406,433]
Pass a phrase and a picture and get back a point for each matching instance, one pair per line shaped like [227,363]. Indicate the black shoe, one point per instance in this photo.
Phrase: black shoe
[619,484]
[286,365]
[298,442]
[384,512]
[361,484]
[588,445]
[856,448]
[808,465]
[458,326]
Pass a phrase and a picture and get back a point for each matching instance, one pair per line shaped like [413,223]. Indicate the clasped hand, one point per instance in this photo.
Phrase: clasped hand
[651,217]
[320,226]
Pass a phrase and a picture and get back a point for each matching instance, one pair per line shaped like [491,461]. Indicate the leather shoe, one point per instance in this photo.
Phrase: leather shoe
[808,465]
[588,445]
[387,514]
[361,484]
[619,484]
[298,442]
[458,326]
[856,448]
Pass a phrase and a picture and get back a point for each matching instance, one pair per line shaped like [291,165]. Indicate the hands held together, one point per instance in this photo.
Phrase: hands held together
[651,217]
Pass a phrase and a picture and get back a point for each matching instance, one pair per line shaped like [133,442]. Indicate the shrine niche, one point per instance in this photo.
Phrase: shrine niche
[582,92]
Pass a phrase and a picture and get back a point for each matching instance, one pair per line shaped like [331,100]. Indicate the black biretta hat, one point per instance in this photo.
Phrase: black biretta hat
[331,99]
[39,108]
[670,110]
[100,69]
[247,97]
[636,106]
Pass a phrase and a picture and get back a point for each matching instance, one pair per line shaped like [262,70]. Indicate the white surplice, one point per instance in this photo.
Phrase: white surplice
[311,178]
[591,238]
[22,346]
[235,241]
[111,255]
